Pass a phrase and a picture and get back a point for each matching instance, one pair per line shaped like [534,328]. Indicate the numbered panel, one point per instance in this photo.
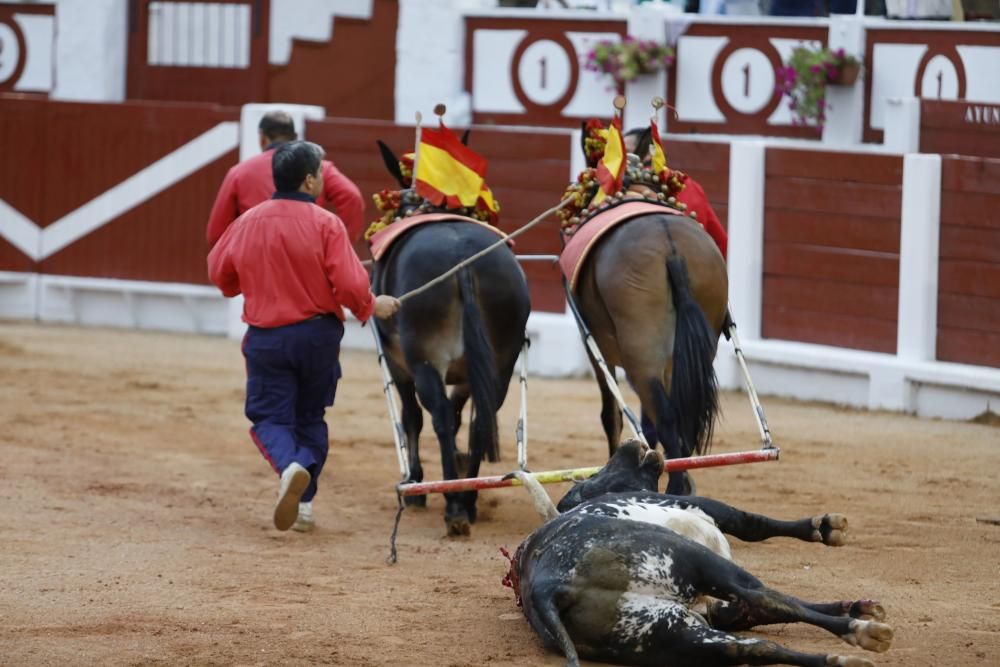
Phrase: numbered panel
[724,79]
[942,65]
[26,47]
[528,72]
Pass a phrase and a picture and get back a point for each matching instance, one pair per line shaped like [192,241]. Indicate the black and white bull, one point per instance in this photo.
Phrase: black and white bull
[642,578]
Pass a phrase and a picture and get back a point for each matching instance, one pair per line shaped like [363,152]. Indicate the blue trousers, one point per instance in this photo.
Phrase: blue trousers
[292,374]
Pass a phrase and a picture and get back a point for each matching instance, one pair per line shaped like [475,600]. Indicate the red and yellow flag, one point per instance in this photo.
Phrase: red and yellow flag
[659,158]
[611,168]
[449,173]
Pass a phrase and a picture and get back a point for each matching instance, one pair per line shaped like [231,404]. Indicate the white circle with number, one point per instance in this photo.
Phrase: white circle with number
[10,52]
[940,80]
[748,80]
[544,72]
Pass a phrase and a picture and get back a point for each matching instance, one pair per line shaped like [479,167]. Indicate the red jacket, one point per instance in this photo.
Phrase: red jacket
[291,260]
[250,182]
[696,199]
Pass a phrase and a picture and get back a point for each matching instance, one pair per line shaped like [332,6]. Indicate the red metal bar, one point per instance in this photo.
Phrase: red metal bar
[496,482]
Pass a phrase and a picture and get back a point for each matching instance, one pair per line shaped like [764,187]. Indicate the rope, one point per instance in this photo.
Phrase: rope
[469,260]
[391,560]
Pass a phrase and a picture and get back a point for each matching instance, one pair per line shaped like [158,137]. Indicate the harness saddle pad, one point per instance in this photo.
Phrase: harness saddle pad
[382,240]
[591,231]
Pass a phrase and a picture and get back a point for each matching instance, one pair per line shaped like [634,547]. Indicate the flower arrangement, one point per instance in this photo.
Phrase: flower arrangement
[805,77]
[627,59]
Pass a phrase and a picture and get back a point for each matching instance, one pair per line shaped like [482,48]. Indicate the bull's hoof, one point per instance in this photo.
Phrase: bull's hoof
[848,661]
[830,529]
[415,501]
[870,635]
[866,610]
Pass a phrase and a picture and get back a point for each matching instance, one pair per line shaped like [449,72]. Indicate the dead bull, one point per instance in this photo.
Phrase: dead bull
[608,581]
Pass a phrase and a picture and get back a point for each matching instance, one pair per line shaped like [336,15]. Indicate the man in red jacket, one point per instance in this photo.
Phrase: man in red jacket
[294,264]
[693,196]
[249,183]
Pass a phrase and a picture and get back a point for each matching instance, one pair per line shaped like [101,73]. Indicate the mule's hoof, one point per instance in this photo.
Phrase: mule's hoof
[830,529]
[848,661]
[870,635]
[867,610]
[458,524]
[415,501]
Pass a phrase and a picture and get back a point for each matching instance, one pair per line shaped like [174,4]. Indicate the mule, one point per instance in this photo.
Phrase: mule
[654,293]
[465,332]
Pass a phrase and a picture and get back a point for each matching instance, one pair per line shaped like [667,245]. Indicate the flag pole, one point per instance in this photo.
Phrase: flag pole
[416,149]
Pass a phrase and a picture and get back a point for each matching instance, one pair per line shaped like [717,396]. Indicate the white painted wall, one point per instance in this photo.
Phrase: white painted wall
[91,46]
[310,20]
[430,59]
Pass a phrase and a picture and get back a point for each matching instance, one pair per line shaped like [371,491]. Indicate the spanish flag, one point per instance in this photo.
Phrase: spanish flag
[449,173]
[659,158]
[611,168]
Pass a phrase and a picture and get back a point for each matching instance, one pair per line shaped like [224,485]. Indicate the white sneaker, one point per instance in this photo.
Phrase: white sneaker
[294,480]
[305,522]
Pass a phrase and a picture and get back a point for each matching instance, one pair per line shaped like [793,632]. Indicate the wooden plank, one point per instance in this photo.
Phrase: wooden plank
[545,282]
[970,209]
[841,265]
[696,156]
[937,140]
[968,347]
[824,329]
[830,196]
[960,311]
[832,229]
[835,298]
[970,243]
[970,278]
[835,166]
[971,174]
[960,114]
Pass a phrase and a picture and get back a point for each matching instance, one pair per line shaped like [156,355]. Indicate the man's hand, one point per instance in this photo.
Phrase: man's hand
[386,306]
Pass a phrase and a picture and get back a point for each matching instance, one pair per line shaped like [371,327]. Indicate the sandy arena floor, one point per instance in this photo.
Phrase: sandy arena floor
[135,519]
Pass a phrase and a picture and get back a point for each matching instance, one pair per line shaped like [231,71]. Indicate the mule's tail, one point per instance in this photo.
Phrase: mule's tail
[480,364]
[694,392]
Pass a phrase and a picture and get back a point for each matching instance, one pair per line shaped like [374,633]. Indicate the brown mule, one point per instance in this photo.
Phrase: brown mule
[654,293]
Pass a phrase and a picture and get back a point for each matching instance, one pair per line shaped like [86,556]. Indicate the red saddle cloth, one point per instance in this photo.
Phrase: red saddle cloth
[382,240]
[591,231]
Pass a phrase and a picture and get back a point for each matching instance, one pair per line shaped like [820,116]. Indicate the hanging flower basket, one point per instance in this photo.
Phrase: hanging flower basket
[804,79]
[625,60]
[845,75]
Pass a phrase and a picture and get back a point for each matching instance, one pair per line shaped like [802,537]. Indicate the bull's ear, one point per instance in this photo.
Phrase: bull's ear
[465,137]
[391,163]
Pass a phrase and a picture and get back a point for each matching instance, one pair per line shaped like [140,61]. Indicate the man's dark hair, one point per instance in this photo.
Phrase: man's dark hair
[275,125]
[292,162]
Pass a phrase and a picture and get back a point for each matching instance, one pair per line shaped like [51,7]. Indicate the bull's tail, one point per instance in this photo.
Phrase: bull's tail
[480,364]
[694,392]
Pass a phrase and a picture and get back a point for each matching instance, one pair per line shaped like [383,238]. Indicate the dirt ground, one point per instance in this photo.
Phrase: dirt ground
[135,519]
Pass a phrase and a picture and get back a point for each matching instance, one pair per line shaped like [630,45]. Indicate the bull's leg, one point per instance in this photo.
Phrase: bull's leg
[726,581]
[696,645]
[733,616]
[413,423]
[430,389]
[830,529]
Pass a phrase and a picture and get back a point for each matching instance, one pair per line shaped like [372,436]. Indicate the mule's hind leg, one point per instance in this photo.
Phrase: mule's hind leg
[430,389]
[830,529]
[697,645]
[413,423]
[756,604]
[611,416]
